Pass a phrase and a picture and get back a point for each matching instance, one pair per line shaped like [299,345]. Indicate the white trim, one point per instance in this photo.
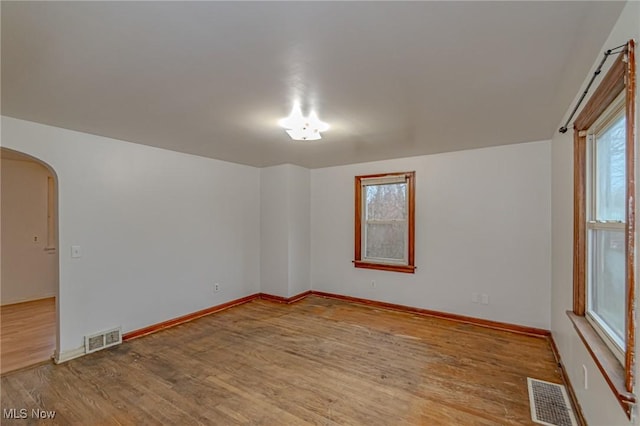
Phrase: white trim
[384,180]
[606,334]
[65,356]
[617,225]
[364,221]
[385,261]
[384,221]
[51,216]
[607,119]
[592,317]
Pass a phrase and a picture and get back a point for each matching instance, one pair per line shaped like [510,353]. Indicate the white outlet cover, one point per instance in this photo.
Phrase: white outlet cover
[76,251]
[485,299]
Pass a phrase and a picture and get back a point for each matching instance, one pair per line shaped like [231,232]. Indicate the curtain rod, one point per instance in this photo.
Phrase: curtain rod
[608,53]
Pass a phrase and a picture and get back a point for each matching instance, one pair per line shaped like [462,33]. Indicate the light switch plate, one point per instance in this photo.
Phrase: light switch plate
[75,251]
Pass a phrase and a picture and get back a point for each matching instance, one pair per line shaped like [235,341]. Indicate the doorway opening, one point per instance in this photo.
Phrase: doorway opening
[29,270]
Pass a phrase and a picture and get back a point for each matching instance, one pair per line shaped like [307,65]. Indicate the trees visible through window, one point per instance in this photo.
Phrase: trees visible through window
[606,218]
[385,222]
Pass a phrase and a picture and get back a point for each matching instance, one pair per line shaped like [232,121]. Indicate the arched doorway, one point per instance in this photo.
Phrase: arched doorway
[29,268]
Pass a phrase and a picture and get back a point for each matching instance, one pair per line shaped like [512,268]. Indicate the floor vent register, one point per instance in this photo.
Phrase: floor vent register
[550,404]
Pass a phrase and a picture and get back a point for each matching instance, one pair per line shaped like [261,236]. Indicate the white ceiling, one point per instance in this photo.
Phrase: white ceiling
[394,79]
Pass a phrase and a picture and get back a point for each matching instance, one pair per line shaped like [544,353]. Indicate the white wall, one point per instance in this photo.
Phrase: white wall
[598,402]
[28,271]
[285,230]
[482,226]
[274,229]
[300,230]
[157,228]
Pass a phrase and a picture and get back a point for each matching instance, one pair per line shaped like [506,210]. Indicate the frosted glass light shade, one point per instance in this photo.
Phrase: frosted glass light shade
[315,122]
[300,127]
[304,134]
[295,118]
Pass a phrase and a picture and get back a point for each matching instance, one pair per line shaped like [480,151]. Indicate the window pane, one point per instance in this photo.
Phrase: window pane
[610,172]
[607,295]
[386,202]
[385,241]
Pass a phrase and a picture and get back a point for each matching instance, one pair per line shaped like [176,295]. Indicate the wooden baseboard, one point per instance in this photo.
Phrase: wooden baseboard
[186,318]
[20,302]
[496,325]
[199,314]
[577,409]
[514,328]
[287,300]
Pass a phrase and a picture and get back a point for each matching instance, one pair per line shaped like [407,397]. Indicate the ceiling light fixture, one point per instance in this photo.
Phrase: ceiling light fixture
[302,128]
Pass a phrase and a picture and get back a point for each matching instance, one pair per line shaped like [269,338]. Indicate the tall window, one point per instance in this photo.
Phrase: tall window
[606,222]
[604,227]
[384,222]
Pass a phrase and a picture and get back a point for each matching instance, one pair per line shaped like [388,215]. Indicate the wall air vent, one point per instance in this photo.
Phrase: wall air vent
[102,340]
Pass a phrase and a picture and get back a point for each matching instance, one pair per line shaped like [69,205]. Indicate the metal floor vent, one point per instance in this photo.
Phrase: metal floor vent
[102,340]
[550,404]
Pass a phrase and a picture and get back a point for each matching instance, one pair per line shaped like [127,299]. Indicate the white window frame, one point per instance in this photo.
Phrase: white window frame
[613,112]
[379,181]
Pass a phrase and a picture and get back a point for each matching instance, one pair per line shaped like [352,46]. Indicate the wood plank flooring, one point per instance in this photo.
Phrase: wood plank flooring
[318,361]
[27,333]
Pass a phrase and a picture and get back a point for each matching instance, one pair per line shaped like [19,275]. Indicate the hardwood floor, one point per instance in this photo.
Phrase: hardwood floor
[27,333]
[318,361]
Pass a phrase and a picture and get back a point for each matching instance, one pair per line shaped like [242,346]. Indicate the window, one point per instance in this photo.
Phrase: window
[604,227]
[384,222]
[606,221]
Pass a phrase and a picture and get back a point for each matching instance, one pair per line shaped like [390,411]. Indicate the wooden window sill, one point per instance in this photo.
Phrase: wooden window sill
[606,361]
[409,269]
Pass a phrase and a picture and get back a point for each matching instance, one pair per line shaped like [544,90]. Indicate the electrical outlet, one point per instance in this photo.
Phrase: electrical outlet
[216,287]
[485,299]
[373,284]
